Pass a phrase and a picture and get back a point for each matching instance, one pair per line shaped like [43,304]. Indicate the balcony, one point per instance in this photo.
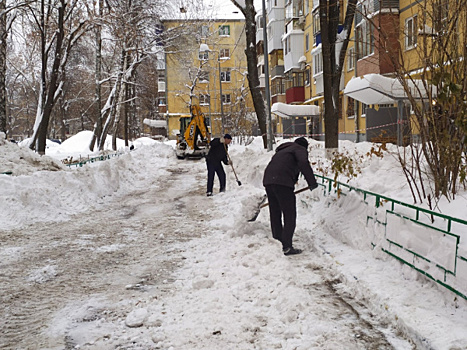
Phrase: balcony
[294,9]
[275,32]
[293,49]
[295,94]
[277,71]
[259,35]
[259,28]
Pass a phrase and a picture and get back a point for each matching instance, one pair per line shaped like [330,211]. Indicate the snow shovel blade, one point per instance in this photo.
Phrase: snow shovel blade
[262,204]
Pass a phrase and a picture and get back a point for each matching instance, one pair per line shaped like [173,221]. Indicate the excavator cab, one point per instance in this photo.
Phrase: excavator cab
[194,138]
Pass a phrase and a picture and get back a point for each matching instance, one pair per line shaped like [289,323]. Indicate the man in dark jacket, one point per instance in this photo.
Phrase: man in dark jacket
[280,176]
[217,154]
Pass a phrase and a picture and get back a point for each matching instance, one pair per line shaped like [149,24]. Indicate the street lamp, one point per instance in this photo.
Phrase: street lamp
[205,48]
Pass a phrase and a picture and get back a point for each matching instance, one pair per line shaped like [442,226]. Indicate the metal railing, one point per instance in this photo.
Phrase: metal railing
[448,228]
[82,161]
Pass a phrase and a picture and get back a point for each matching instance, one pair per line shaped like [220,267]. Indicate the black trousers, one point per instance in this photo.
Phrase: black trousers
[282,206]
[215,168]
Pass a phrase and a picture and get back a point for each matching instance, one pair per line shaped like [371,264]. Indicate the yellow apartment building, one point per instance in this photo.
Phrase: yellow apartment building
[208,67]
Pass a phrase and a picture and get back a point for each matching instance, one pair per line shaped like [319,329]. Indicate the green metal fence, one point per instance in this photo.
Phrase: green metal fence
[82,161]
[443,262]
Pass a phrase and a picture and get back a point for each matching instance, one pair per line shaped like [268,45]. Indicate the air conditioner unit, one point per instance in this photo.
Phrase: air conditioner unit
[301,20]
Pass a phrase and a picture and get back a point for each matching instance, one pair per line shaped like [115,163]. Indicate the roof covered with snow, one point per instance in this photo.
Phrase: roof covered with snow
[377,89]
[287,111]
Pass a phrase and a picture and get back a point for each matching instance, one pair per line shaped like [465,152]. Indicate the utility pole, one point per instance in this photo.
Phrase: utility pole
[266,78]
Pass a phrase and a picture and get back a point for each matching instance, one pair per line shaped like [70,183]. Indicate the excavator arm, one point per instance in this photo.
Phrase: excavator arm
[197,126]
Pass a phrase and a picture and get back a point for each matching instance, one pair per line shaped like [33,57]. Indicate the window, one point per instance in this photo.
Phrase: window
[277,86]
[204,31]
[350,108]
[224,53]
[225,75]
[340,107]
[364,108]
[259,24]
[307,76]
[316,23]
[307,42]
[261,69]
[365,39]
[224,30]
[203,55]
[203,76]
[317,63]
[161,101]
[411,32]
[294,79]
[351,58]
[204,99]
[226,98]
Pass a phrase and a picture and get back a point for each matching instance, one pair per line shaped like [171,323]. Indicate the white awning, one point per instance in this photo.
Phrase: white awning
[374,89]
[155,123]
[287,111]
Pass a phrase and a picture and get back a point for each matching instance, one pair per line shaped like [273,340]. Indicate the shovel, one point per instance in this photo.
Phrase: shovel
[263,205]
[230,162]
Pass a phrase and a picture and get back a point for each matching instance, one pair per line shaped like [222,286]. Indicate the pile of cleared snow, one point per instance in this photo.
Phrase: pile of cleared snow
[19,160]
[32,198]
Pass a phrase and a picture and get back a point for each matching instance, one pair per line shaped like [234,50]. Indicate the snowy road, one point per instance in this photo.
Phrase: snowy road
[152,260]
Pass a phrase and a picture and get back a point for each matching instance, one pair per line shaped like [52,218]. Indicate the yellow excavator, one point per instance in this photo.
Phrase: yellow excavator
[194,138]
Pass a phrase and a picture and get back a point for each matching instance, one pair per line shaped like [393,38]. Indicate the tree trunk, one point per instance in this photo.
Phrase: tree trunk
[120,100]
[52,89]
[41,131]
[114,99]
[3,51]
[252,62]
[333,63]
[98,125]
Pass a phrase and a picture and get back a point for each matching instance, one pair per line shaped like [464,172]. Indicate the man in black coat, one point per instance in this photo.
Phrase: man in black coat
[280,176]
[216,156]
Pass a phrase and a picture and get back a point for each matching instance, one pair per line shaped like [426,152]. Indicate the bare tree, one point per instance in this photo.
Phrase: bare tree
[58,34]
[248,10]
[135,29]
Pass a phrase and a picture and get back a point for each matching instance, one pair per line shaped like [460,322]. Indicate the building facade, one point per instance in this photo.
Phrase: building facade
[208,67]
[384,37]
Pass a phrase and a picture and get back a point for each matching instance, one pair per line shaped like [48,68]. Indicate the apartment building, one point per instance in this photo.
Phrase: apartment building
[384,36]
[208,67]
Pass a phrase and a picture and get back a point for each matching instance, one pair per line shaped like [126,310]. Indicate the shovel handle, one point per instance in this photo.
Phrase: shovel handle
[230,161]
[296,192]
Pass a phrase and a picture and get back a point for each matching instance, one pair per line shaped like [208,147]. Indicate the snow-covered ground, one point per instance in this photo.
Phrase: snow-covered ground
[128,253]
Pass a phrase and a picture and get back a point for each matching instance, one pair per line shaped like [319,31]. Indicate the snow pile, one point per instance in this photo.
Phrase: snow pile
[55,196]
[19,160]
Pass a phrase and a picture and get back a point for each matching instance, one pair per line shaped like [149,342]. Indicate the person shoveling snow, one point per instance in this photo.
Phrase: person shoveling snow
[279,179]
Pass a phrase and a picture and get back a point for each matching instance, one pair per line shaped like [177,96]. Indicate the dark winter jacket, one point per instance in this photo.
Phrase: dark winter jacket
[217,152]
[290,160]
